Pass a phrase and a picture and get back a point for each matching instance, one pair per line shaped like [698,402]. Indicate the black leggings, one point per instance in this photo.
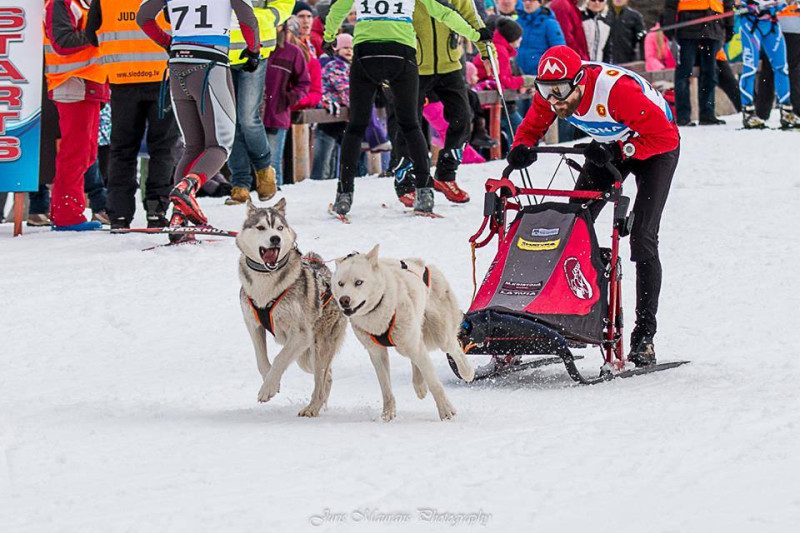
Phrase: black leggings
[373,64]
[653,179]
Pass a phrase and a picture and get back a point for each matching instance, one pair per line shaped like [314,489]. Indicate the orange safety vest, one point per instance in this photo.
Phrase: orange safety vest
[700,5]
[128,53]
[85,64]
[792,10]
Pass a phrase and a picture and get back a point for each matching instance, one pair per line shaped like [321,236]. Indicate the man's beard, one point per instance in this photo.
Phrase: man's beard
[568,110]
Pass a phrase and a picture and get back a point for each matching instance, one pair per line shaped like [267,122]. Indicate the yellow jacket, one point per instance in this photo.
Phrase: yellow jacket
[270,13]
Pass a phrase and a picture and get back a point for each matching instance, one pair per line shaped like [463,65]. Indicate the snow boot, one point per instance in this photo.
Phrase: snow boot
[480,138]
[120,223]
[39,219]
[423,201]
[711,121]
[183,198]
[451,191]
[101,217]
[266,185]
[642,350]
[789,120]
[343,203]
[178,219]
[750,120]
[239,195]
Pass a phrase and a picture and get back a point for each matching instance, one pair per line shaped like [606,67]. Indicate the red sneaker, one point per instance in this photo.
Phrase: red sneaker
[408,199]
[182,197]
[451,191]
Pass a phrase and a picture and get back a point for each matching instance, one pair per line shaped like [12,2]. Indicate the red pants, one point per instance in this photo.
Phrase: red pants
[78,149]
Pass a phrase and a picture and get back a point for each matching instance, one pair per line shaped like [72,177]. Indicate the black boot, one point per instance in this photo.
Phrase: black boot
[643,351]
[480,138]
[156,214]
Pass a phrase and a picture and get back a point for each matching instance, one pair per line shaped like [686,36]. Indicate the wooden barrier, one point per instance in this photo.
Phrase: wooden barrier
[302,153]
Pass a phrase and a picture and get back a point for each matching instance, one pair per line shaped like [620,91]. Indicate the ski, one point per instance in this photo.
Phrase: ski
[177,230]
[172,244]
[424,214]
[575,374]
[494,370]
[345,219]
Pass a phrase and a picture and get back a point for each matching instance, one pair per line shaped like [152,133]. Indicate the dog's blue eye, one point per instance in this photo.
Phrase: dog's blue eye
[358,282]
[280,228]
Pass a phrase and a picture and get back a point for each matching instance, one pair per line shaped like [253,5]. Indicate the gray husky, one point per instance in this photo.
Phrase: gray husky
[288,295]
[407,305]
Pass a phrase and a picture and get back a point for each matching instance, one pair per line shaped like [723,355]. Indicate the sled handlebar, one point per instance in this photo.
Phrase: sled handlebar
[565,150]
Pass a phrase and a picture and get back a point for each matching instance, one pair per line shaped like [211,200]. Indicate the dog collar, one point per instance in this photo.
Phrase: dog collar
[262,267]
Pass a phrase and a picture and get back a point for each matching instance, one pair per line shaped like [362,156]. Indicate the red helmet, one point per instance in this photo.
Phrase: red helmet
[559,63]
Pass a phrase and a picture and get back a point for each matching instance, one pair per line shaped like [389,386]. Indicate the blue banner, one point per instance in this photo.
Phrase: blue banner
[21,66]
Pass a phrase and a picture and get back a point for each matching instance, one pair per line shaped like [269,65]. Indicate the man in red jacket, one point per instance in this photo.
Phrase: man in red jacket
[633,128]
[569,18]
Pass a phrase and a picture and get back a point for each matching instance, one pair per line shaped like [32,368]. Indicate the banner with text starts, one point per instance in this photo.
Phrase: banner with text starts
[21,64]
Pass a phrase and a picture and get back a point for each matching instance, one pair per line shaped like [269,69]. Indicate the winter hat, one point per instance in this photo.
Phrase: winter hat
[302,6]
[343,40]
[559,63]
[509,29]
[292,26]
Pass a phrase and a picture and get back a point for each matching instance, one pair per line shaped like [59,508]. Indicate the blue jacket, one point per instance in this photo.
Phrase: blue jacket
[540,31]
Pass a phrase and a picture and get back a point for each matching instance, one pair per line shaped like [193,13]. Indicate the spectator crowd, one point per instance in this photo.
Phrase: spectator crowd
[110,128]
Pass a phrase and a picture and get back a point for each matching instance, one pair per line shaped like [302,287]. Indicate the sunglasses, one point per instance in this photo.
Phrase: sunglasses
[559,89]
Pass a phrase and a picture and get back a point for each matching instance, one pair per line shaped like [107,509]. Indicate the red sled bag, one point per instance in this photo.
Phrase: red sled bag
[548,269]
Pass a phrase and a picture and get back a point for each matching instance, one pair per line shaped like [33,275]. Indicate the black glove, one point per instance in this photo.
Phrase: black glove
[485,35]
[599,154]
[253,59]
[521,156]
[327,47]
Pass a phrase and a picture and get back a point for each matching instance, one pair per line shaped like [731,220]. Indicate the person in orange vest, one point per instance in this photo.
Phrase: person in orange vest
[698,43]
[76,82]
[135,67]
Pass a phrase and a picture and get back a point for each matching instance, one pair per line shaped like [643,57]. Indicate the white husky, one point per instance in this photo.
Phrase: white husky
[407,305]
[289,295]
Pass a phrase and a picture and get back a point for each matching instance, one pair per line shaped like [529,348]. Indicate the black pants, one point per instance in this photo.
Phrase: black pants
[134,108]
[653,180]
[726,80]
[692,51]
[765,82]
[373,64]
[451,90]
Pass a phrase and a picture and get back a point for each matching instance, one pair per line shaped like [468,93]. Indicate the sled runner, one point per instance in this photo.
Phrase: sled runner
[550,286]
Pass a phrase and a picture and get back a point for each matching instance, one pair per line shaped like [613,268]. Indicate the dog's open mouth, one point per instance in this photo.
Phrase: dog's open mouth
[269,255]
[351,310]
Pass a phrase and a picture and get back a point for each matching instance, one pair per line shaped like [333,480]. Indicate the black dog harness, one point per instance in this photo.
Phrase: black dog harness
[385,339]
[264,314]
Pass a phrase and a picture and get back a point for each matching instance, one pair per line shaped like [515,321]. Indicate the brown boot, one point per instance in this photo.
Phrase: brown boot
[265,183]
[239,195]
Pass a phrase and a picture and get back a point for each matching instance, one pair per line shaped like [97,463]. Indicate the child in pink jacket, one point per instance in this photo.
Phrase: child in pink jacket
[657,52]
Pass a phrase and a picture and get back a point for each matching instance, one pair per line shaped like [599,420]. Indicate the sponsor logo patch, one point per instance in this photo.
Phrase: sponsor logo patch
[513,288]
[612,72]
[601,110]
[553,66]
[530,246]
[577,282]
[544,232]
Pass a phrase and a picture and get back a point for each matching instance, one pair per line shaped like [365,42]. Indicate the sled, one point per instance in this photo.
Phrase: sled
[551,286]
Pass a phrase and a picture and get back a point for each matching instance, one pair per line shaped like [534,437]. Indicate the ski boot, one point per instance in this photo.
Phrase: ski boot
[407,199]
[789,120]
[183,198]
[642,350]
[423,201]
[751,120]
[266,185]
[179,220]
[451,191]
[343,203]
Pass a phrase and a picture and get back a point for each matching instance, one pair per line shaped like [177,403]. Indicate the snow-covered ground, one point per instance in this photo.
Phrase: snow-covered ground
[128,383]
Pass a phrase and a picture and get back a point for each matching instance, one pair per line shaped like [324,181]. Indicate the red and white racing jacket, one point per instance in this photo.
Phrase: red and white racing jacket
[617,106]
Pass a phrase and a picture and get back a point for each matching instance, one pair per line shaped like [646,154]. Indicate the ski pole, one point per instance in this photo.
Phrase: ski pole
[709,18]
[526,178]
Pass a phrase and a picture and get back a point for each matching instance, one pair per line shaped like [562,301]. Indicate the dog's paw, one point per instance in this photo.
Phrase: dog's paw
[420,388]
[468,373]
[446,410]
[268,391]
[310,411]
[389,412]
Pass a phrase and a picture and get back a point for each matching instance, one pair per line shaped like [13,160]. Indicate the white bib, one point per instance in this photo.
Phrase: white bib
[394,10]
[201,21]
[597,121]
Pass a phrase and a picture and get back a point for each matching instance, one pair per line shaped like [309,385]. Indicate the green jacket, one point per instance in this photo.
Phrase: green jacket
[435,53]
[384,21]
